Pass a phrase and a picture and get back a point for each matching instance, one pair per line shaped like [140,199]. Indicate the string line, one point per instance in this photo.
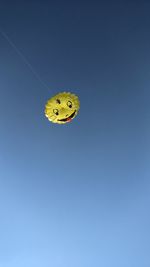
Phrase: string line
[23,58]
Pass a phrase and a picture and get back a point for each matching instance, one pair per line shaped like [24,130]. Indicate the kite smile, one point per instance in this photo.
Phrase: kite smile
[68,118]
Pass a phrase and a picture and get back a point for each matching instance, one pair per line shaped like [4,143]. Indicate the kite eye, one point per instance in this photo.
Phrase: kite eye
[69,104]
[56,111]
[58,101]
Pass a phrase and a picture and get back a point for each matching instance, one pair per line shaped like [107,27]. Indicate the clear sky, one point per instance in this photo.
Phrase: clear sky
[75,195]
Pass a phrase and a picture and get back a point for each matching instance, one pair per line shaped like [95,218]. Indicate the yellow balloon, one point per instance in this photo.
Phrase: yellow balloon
[62,108]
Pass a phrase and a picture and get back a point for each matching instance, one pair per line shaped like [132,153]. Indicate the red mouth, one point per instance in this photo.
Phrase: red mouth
[69,118]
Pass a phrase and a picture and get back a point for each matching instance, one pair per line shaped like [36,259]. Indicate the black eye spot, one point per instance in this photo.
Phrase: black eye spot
[58,101]
[69,104]
[56,112]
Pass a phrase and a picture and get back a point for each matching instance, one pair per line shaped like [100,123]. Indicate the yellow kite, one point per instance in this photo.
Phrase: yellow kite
[62,108]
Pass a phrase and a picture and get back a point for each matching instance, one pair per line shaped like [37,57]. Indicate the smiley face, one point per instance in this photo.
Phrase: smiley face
[62,108]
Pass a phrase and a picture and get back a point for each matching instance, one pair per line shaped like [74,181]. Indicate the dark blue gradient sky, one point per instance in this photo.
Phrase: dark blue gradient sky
[75,195]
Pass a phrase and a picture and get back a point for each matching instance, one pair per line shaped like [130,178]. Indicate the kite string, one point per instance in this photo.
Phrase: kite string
[23,58]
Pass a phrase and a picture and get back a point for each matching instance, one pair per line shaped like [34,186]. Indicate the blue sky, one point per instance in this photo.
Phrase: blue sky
[76,194]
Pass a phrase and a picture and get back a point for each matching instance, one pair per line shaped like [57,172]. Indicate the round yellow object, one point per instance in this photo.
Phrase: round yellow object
[62,108]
